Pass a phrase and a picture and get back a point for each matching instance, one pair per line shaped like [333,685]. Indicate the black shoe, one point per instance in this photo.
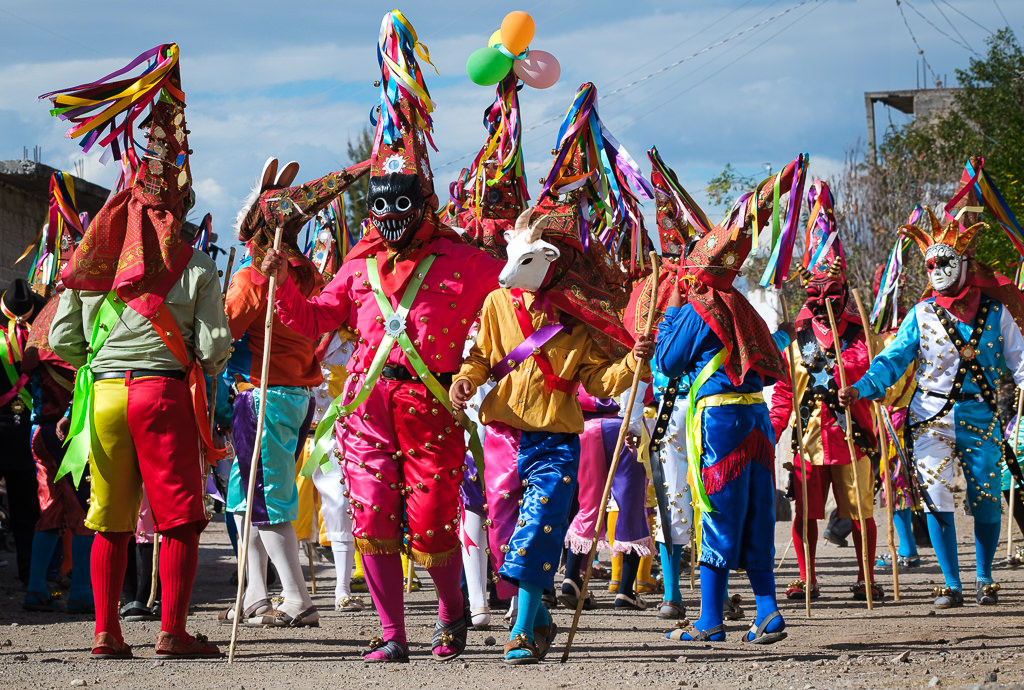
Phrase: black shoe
[860,592]
[947,598]
[988,593]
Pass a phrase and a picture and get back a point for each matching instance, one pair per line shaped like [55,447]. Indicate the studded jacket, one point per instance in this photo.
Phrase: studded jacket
[439,319]
[823,419]
[922,340]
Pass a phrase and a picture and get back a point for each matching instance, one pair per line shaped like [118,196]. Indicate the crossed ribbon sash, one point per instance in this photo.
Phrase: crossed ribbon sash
[394,332]
[11,351]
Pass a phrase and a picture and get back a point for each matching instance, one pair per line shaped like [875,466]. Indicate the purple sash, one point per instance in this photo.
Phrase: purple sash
[524,350]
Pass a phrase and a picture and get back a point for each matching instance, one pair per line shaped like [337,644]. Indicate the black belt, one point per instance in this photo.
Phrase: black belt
[956,397]
[139,373]
[400,373]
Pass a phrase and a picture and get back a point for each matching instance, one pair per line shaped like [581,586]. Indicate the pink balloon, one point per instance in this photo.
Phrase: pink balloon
[539,69]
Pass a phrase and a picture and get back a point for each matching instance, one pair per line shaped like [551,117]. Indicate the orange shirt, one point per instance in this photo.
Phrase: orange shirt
[293,361]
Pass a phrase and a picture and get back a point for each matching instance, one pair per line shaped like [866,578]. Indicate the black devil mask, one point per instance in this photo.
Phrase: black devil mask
[396,205]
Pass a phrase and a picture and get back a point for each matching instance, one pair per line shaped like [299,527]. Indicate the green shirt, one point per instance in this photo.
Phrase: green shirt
[194,301]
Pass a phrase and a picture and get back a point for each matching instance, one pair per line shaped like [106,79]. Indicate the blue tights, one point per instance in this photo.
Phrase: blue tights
[943,535]
[670,565]
[532,613]
[905,531]
[713,584]
[763,584]
[43,545]
[986,541]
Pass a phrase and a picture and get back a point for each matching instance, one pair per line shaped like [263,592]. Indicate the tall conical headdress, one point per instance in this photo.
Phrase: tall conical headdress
[403,122]
[823,251]
[491,193]
[589,158]
[56,242]
[678,214]
[134,244]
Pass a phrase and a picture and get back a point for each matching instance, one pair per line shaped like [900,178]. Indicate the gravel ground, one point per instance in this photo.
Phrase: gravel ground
[899,644]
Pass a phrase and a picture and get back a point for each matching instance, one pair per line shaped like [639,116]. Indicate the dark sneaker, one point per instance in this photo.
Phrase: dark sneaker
[833,539]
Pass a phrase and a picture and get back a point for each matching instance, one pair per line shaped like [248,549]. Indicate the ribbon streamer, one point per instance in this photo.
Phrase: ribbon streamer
[611,179]
[888,289]
[401,79]
[104,111]
[784,230]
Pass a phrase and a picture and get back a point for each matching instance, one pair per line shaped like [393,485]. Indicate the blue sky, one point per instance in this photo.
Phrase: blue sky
[295,80]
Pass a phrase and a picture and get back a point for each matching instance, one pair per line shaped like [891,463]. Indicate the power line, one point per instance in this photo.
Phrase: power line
[714,45]
[932,24]
[686,40]
[683,92]
[1006,22]
[920,50]
[951,24]
[651,75]
[966,16]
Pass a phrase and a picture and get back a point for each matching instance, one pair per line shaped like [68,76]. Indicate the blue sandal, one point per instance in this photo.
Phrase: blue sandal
[694,634]
[760,634]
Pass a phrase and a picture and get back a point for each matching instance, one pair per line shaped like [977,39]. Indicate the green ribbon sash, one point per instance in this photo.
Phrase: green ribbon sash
[81,435]
[394,332]
[692,450]
[17,380]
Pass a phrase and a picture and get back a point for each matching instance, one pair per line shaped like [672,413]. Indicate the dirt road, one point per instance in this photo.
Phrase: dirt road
[902,644]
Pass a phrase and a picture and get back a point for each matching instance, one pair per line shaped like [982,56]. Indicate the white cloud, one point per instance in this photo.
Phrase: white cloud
[298,84]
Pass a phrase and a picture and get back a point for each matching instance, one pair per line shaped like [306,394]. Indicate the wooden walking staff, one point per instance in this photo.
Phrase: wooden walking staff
[786,553]
[890,508]
[1013,482]
[227,272]
[805,464]
[312,567]
[693,558]
[268,332]
[154,581]
[602,514]
[853,454]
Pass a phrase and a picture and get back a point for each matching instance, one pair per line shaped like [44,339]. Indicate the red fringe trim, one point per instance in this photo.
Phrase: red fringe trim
[755,446]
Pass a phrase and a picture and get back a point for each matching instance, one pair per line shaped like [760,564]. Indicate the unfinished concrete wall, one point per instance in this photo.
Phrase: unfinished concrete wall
[24,200]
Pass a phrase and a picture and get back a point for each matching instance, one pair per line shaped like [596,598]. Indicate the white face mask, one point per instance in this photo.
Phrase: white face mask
[946,269]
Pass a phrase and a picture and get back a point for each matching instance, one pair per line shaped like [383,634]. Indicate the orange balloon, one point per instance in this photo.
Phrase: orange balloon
[495,39]
[516,31]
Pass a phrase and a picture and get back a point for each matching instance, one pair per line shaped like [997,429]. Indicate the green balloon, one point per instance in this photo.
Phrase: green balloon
[488,66]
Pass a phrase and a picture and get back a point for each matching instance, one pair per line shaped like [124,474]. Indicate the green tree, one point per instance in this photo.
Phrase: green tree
[987,120]
[723,188]
[355,196]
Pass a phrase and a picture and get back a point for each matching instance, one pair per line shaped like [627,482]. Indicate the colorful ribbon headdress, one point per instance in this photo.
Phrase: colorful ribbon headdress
[402,115]
[677,211]
[104,112]
[887,297]
[784,229]
[590,159]
[64,228]
[979,184]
